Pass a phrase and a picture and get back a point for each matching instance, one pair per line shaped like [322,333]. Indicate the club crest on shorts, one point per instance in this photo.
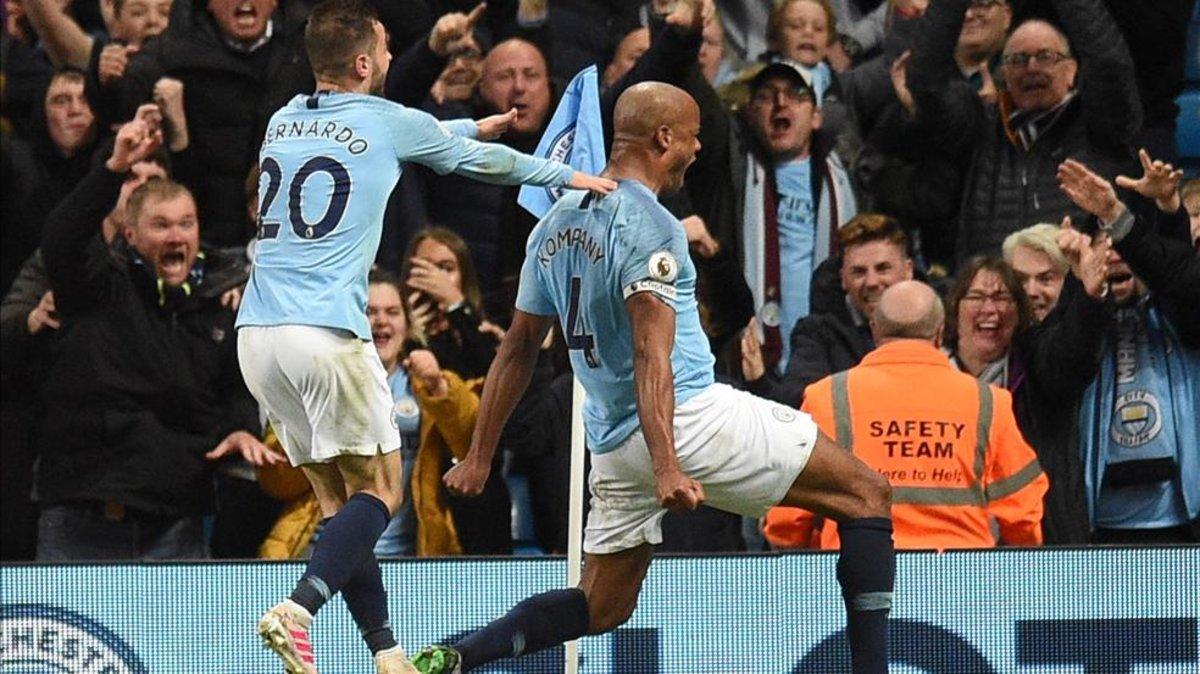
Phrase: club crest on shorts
[42,639]
[783,414]
[663,266]
[1137,419]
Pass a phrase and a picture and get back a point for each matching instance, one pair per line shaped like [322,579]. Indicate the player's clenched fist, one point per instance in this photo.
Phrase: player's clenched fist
[467,478]
[678,492]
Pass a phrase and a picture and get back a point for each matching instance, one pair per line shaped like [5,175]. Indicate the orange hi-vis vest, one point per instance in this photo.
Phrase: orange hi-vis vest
[948,444]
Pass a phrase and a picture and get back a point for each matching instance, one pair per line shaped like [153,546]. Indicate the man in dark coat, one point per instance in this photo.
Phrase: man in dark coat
[1067,93]
[147,390]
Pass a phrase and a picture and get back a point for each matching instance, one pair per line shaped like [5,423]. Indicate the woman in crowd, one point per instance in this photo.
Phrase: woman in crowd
[445,308]
[445,303]
[985,310]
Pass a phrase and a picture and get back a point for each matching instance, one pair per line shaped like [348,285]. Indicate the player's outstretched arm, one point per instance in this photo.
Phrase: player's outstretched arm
[421,139]
[502,165]
[654,383]
[507,379]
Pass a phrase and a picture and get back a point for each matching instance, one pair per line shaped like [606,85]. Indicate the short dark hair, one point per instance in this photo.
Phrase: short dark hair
[155,189]
[868,227]
[337,31]
[68,73]
[379,275]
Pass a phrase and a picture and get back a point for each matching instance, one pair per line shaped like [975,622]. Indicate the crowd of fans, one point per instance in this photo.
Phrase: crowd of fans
[1016,155]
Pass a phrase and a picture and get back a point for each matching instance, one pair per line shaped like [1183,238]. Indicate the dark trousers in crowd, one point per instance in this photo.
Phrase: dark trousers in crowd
[1184,533]
[109,531]
[245,515]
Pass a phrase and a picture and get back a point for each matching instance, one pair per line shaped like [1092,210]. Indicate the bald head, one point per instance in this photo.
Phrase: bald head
[515,75]
[655,129]
[647,107]
[908,310]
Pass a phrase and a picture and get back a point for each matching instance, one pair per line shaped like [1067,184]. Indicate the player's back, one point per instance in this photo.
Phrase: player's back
[329,163]
[582,261]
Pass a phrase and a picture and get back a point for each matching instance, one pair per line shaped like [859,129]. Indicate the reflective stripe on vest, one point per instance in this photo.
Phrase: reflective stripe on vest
[971,495]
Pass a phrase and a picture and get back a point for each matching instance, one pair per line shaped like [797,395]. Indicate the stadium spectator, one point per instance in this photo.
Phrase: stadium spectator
[1040,266]
[910,170]
[950,447]
[1068,92]
[628,51]
[445,303]
[1059,356]
[1157,36]
[1190,194]
[774,194]
[1139,436]
[129,24]
[712,56]
[25,66]
[858,28]
[389,330]
[444,524]
[805,33]
[986,308]
[874,257]
[28,326]
[446,314]
[41,169]
[147,392]
[248,59]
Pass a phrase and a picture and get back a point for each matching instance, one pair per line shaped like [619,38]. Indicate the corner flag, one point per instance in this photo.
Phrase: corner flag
[574,136]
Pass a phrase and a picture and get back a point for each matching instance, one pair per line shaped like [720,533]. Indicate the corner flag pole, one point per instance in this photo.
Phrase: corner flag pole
[575,513]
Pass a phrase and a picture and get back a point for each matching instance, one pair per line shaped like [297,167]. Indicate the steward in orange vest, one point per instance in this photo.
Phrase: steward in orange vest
[948,443]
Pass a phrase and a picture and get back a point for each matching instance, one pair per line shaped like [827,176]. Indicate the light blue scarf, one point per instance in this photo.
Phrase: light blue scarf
[1175,375]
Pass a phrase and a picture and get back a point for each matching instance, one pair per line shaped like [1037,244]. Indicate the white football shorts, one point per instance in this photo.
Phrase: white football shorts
[744,450]
[324,391]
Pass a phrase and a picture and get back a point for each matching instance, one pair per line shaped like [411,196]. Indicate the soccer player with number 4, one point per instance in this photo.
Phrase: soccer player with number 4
[329,162]
[615,270]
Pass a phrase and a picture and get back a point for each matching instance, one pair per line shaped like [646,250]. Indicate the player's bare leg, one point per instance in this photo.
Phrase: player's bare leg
[837,485]
[357,495]
[606,597]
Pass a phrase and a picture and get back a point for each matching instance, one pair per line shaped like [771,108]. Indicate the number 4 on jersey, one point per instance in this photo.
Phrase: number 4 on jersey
[578,337]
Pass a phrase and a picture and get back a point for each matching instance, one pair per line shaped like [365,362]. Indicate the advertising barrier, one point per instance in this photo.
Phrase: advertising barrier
[1094,611]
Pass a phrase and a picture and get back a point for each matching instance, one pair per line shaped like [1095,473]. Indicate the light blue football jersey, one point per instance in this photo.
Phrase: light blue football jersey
[329,162]
[582,261]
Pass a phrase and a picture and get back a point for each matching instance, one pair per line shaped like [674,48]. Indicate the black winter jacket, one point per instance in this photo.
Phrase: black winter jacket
[1061,357]
[1008,188]
[141,388]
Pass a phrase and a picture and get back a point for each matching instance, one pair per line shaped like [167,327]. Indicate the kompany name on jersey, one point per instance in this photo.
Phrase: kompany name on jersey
[335,131]
[575,236]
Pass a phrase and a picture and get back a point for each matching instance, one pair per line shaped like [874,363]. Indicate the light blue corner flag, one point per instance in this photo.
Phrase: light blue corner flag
[575,136]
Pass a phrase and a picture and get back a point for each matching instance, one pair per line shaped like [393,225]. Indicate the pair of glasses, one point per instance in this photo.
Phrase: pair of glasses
[1045,58]
[979,299]
[767,95]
